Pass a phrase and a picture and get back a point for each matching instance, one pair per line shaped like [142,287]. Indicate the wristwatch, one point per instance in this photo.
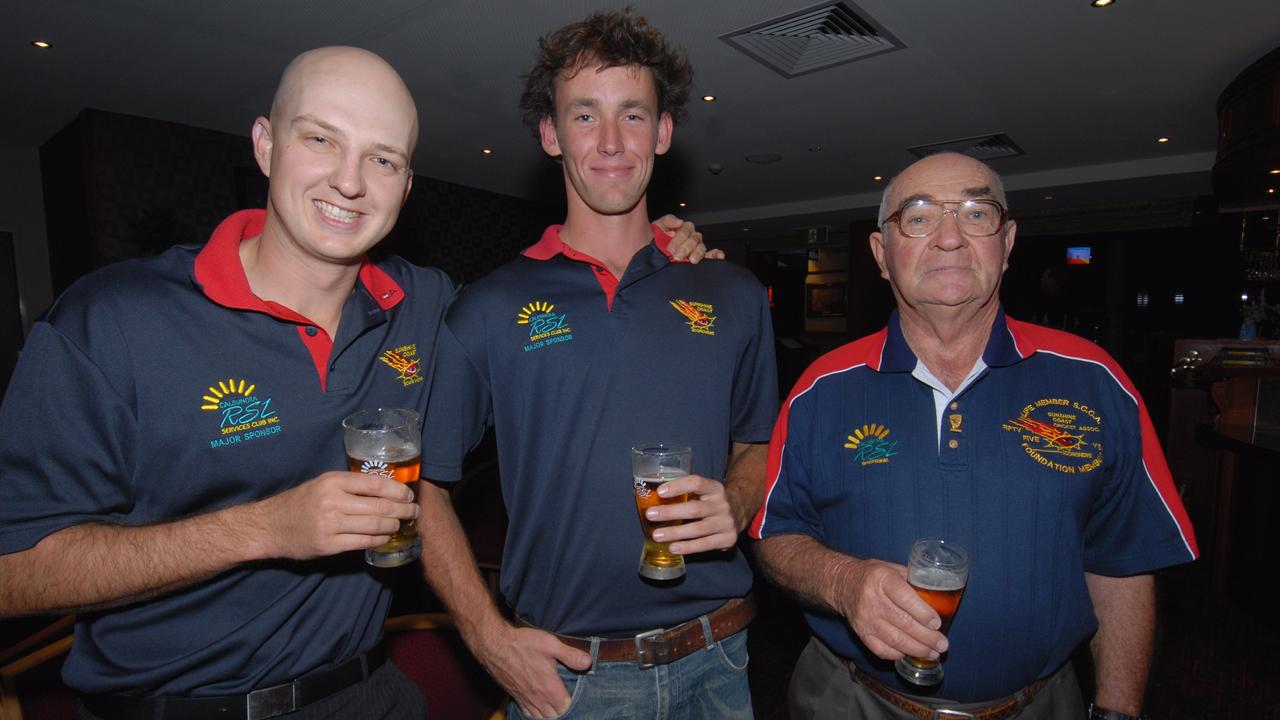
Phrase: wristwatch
[1097,713]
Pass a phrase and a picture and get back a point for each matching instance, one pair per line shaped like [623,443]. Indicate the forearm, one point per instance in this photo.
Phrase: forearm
[95,566]
[814,573]
[451,570]
[744,481]
[1122,647]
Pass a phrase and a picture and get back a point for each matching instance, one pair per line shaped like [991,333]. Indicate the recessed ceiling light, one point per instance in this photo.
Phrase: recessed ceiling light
[1102,3]
[681,204]
[487,151]
[1274,171]
[763,158]
[746,229]
[708,98]
[1048,197]
[878,178]
[42,44]
[1271,191]
[1162,139]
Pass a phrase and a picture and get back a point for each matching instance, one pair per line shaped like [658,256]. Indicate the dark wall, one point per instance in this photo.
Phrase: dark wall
[118,186]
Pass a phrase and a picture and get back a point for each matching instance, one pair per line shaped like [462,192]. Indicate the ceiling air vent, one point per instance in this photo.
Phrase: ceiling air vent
[814,39]
[980,147]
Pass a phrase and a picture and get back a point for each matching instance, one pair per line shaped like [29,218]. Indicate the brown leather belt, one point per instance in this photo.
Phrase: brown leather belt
[659,647]
[998,710]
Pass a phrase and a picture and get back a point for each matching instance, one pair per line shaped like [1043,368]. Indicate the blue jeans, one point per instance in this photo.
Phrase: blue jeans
[709,683]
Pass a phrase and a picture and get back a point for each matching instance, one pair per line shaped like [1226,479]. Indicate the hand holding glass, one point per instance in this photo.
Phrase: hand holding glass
[651,466]
[938,571]
[387,442]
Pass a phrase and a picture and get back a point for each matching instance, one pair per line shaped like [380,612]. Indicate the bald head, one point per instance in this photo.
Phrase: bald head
[348,69]
[937,167]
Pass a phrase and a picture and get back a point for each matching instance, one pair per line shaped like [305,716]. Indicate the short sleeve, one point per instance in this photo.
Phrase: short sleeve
[68,429]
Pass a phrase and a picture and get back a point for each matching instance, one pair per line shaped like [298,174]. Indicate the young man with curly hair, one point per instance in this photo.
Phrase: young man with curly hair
[590,343]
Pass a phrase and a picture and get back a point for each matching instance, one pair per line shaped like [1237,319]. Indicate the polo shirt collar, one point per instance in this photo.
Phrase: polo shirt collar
[1006,345]
[550,245]
[220,274]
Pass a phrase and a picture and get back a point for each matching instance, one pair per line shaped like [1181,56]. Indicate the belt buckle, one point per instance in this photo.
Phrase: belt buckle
[271,702]
[640,638]
[944,713]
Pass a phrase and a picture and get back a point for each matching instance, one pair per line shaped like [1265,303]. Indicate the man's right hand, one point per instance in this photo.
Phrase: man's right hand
[887,614]
[523,661]
[332,513]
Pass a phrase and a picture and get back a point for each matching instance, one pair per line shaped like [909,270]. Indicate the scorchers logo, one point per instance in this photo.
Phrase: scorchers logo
[242,414]
[404,360]
[1060,434]
[697,313]
[546,327]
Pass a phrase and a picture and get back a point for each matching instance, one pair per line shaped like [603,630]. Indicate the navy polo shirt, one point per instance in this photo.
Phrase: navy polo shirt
[1048,467]
[575,366]
[162,388]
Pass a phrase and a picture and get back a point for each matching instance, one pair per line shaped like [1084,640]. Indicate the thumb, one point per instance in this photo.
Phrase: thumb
[573,658]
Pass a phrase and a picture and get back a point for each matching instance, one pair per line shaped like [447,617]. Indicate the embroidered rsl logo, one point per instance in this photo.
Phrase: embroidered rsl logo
[404,360]
[871,445]
[1060,434]
[242,414]
[697,313]
[546,327]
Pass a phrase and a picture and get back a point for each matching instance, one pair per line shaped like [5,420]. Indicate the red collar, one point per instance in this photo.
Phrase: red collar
[551,245]
[221,276]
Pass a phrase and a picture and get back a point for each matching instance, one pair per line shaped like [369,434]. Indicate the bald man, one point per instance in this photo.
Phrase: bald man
[172,436]
[1027,446]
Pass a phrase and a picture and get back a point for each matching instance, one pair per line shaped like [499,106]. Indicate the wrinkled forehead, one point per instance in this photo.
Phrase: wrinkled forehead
[946,178]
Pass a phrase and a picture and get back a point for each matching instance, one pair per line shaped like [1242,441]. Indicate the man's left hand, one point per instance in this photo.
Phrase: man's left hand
[708,518]
[686,241]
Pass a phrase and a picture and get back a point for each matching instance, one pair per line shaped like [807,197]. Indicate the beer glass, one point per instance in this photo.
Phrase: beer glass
[387,442]
[652,465]
[938,571]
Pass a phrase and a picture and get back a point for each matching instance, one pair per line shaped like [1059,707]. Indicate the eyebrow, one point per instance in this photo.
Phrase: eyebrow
[380,147]
[981,192]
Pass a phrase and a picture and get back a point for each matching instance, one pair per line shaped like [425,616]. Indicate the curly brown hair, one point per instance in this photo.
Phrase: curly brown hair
[606,39]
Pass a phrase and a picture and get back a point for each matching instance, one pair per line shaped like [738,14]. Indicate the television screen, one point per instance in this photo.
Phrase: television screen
[1079,255]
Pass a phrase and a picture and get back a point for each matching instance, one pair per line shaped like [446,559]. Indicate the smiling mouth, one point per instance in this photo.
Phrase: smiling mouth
[333,212]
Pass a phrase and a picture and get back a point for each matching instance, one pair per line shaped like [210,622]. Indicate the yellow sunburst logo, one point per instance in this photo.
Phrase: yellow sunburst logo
[224,388]
[537,307]
[879,432]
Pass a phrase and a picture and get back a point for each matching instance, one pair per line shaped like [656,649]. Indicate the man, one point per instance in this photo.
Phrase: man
[172,437]
[1027,446]
[579,350]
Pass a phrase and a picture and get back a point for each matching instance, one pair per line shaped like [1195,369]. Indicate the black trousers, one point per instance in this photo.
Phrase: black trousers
[386,695]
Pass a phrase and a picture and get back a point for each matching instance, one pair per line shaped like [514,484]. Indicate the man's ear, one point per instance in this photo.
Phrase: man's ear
[666,128]
[262,144]
[550,141]
[877,249]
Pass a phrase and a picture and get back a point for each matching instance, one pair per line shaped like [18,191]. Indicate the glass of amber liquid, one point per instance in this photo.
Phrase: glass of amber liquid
[387,442]
[938,571]
[651,466]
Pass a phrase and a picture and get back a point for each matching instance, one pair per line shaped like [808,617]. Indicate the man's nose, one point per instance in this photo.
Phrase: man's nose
[347,176]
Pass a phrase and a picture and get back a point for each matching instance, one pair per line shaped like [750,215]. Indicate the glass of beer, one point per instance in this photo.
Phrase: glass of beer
[387,442]
[938,571]
[652,465]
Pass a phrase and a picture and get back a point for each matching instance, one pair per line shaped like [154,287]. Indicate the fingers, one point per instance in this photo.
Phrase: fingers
[707,516]
[890,617]
[716,254]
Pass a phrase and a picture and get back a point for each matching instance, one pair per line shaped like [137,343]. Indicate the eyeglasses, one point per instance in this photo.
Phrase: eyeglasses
[976,218]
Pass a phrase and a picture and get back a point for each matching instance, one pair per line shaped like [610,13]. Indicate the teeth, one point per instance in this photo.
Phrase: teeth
[334,212]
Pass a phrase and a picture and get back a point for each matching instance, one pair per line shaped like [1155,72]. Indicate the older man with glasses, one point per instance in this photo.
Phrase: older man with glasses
[1027,446]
